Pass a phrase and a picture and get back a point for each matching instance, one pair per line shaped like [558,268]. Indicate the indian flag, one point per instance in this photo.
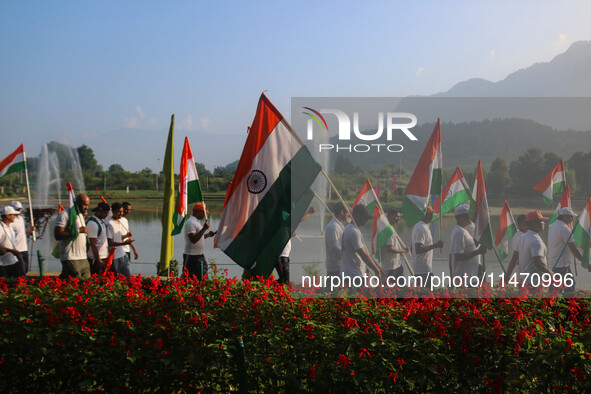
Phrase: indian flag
[425,180]
[482,229]
[507,229]
[564,202]
[382,231]
[269,194]
[15,161]
[189,188]
[553,183]
[582,233]
[455,193]
[366,196]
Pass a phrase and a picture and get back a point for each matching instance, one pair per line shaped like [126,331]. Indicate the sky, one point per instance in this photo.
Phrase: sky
[75,71]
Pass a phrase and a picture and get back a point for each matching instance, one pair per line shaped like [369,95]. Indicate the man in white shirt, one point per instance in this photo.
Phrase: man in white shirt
[422,247]
[117,237]
[194,262]
[9,255]
[558,236]
[391,251]
[97,238]
[532,255]
[516,243]
[465,255]
[21,233]
[70,231]
[128,248]
[355,254]
[333,239]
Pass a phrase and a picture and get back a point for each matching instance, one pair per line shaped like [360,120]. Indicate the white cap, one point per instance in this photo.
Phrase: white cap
[566,211]
[9,210]
[462,209]
[16,205]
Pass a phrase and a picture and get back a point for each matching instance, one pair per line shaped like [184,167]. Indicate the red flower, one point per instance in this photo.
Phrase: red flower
[569,344]
[344,361]
[393,376]
[312,372]
[400,362]
[579,374]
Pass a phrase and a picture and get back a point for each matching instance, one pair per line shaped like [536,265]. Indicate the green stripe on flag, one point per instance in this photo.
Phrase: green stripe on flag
[436,182]
[21,165]
[582,239]
[273,210]
[487,239]
[412,214]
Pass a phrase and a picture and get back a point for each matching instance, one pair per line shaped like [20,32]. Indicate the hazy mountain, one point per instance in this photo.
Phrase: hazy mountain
[567,75]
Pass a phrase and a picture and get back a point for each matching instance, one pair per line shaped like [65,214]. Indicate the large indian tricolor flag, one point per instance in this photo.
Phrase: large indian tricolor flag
[189,188]
[455,193]
[482,228]
[269,194]
[507,229]
[563,203]
[425,180]
[553,183]
[582,232]
[15,161]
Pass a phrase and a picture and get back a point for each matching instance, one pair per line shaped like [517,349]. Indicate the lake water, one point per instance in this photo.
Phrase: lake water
[307,255]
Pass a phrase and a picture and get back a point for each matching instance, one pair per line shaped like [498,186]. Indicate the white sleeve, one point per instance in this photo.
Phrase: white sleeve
[459,244]
[62,219]
[92,229]
[537,249]
[110,232]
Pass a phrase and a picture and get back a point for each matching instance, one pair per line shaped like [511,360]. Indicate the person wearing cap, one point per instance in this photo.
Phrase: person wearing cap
[464,253]
[391,251]
[355,254]
[194,262]
[97,238]
[21,233]
[128,248]
[9,255]
[72,239]
[422,247]
[333,239]
[533,252]
[117,237]
[516,243]
[559,234]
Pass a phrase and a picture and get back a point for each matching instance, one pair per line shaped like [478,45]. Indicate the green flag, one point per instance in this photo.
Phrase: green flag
[167,244]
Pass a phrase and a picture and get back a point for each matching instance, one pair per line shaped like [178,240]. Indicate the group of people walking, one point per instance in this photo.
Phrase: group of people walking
[346,253]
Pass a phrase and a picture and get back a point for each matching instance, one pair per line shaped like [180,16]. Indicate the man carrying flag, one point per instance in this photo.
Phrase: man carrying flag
[70,231]
[96,230]
[422,247]
[553,183]
[269,194]
[559,256]
[388,250]
[194,262]
[582,234]
[464,253]
[507,229]
[533,253]
[355,254]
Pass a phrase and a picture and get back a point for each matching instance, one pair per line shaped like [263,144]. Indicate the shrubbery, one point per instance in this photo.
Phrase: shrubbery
[145,334]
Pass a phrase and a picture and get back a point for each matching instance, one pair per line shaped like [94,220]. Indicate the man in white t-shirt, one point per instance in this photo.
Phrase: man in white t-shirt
[333,239]
[532,255]
[558,236]
[128,248]
[422,247]
[21,233]
[194,262]
[464,253]
[98,249]
[391,251]
[9,255]
[71,234]
[117,237]
[516,243]
[355,254]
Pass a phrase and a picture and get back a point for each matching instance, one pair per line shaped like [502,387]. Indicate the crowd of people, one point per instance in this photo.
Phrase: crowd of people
[346,253]
[84,245]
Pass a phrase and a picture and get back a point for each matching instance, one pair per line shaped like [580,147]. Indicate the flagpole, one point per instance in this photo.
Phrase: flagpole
[29,196]
[498,258]
[564,248]
[395,232]
[324,204]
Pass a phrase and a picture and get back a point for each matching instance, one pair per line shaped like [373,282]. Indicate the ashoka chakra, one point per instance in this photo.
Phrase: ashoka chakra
[256,182]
